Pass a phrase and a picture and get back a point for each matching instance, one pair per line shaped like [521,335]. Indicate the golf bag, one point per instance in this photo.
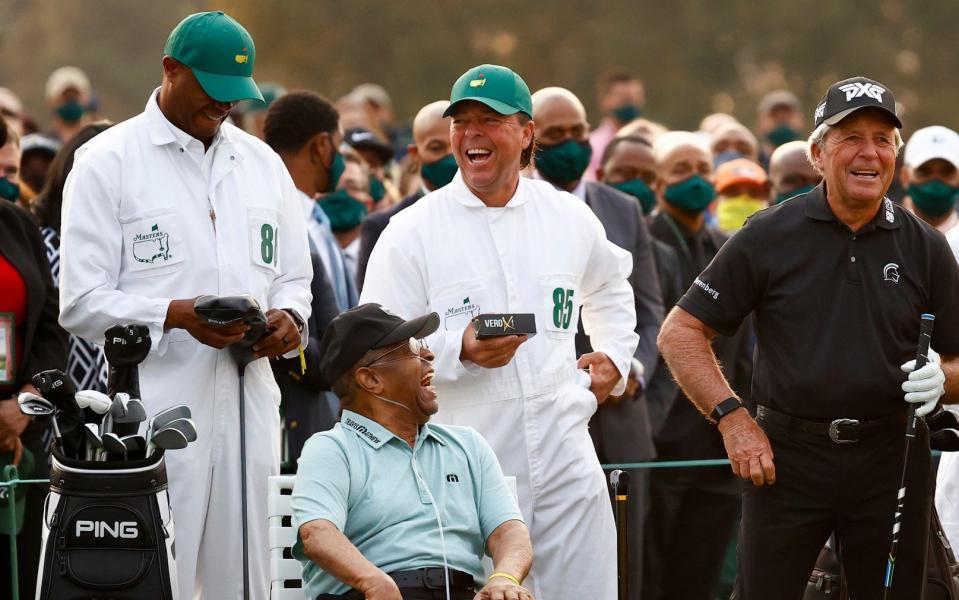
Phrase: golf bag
[108,532]
[942,571]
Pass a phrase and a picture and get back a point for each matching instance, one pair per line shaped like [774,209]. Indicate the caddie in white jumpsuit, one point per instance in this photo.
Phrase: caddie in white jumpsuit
[493,242]
[167,206]
[947,479]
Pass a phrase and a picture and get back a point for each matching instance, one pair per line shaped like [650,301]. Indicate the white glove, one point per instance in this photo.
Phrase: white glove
[926,385]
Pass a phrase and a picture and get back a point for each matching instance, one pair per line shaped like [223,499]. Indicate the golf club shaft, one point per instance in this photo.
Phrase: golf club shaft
[246,558]
[619,480]
[925,336]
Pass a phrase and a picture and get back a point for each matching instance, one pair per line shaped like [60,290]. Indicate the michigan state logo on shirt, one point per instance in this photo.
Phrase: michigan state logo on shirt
[152,247]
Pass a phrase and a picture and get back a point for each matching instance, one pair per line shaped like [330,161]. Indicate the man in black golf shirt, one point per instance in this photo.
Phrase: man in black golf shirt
[837,279]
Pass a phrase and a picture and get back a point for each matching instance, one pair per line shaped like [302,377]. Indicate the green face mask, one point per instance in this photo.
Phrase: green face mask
[70,111]
[782,197]
[627,112]
[345,211]
[934,198]
[337,166]
[377,189]
[692,194]
[439,172]
[564,162]
[781,134]
[639,189]
[9,190]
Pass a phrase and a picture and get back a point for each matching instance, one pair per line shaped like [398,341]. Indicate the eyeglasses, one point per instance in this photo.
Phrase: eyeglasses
[415,346]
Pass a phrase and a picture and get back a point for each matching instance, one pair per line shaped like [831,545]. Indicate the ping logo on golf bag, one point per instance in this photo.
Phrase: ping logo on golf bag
[102,529]
[107,525]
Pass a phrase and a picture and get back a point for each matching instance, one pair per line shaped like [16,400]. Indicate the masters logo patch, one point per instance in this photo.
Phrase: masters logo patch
[151,247]
[466,310]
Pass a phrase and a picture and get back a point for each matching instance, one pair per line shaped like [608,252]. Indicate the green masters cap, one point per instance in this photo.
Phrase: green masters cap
[220,53]
[497,87]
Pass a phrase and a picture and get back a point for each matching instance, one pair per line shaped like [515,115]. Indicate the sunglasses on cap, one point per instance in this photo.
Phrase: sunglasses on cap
[415,346]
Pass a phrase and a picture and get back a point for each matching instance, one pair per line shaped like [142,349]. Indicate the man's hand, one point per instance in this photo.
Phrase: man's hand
[180,315]
[501,588]
[489,352]
[380,587]
[750,454]
[12,424]
[925,385]
[603,374]
[283,336]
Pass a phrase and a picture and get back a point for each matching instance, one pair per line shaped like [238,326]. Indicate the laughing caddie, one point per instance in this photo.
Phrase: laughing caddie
[493,242]
[169,205]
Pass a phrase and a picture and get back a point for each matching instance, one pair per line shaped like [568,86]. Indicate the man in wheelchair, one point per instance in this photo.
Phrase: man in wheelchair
[387,506]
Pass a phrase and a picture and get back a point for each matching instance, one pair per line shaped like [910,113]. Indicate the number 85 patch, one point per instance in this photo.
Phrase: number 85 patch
[263,237]
[561,305]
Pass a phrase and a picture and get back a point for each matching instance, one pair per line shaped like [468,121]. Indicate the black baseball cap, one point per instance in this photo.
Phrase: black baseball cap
[364,138]
[849,95]
[355,332]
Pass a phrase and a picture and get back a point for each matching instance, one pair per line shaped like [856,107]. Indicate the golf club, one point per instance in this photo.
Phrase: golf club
[925,336]
[112,444]
[185,426]
[159,420]
[619,481]
[96,401]
[94,441]
[136,446]
[125,347]
[38,406]
[166,439]
[56,386]
[224,311]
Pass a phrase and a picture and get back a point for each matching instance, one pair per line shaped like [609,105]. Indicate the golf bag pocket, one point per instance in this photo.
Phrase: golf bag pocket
[108,532]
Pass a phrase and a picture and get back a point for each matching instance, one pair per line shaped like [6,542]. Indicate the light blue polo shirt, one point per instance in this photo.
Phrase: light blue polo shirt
[359,476]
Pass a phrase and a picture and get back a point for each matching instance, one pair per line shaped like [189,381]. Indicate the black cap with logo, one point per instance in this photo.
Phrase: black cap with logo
[364,138]
[355,332]
[849,95]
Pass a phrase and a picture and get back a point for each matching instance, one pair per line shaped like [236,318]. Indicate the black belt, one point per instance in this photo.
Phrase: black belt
[840,431]
[432,578]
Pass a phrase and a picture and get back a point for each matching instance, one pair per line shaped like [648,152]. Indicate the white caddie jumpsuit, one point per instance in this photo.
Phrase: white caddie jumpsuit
[149,217]
[544,253]
[947,479]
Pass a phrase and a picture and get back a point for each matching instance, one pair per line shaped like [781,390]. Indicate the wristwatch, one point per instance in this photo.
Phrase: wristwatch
[297,319]
[724,408]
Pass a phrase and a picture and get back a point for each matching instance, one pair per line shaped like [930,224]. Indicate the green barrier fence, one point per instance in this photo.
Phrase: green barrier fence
[11,480]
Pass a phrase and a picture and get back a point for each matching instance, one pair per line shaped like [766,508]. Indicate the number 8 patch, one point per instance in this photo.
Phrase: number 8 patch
[263,238]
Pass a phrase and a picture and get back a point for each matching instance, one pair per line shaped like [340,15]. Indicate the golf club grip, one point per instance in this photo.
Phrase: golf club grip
[925,336]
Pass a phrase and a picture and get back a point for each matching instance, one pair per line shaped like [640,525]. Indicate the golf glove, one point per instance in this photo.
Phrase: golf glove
[924,386]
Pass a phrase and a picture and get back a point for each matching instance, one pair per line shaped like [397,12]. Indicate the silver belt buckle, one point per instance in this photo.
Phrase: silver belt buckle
[834,430]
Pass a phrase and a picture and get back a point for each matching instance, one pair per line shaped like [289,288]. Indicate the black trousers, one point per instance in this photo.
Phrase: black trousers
[691,520]
[822,486]
[408,594]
